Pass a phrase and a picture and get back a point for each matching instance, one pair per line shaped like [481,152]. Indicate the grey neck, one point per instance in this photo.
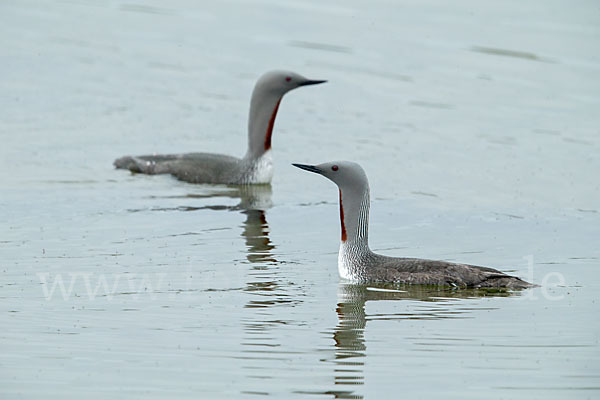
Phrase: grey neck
[263,110]
[354,215]
[355,256]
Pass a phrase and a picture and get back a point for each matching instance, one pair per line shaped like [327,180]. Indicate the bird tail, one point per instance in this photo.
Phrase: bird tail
[130,163]
[506,281]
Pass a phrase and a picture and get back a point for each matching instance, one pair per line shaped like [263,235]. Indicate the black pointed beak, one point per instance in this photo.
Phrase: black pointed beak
[311,82]
[310,168]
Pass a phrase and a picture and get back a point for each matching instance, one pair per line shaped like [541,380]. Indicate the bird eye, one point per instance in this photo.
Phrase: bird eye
[334,168]
[288,78]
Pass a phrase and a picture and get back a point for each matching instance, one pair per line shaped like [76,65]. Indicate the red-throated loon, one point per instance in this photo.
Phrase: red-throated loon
[255,167]
[357,262]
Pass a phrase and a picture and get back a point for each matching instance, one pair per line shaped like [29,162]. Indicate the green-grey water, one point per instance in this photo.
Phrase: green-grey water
[477,125]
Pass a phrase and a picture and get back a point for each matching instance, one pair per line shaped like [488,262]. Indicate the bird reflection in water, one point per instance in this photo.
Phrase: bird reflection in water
[254,201]
[263,284]
[256,233]
[349,333]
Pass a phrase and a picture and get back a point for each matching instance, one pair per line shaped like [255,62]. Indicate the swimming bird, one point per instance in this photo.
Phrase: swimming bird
[356,261]
[255,167]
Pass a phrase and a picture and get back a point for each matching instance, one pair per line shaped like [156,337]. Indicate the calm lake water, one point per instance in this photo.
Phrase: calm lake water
[478,125]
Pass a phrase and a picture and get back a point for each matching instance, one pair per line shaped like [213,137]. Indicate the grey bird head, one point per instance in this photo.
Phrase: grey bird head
[281,82]
[347,175]
[266,96]
[354,196]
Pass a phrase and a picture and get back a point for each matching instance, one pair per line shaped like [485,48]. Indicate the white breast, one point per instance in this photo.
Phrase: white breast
[344,263]
[262,169]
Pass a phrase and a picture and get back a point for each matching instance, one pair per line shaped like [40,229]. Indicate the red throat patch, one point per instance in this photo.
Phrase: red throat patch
[342,218]
[270,126]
